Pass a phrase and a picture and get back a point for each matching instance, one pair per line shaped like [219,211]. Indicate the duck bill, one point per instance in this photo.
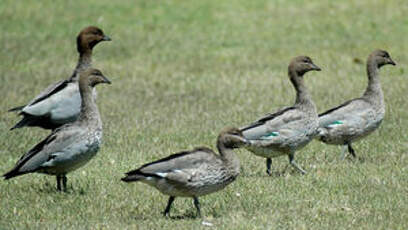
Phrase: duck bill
[391,62]
[106,38]
[315,67]
[106,80]
[244,142]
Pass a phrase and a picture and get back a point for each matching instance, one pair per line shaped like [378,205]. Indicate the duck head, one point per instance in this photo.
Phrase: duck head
[89,37]
[232,138]
[301,65]
[93,77]
[380,58]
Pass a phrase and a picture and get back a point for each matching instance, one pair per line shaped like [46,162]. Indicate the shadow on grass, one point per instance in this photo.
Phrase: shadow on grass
[142,216]
[188,216]
[351,159]
[50,188]
[275,174]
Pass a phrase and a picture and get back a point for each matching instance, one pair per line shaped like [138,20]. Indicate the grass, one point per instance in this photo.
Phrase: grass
[181,71]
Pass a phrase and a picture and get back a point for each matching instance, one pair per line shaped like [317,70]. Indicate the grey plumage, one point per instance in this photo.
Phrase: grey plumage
[60,102]
[70,146]
[359,117]
[193,173]
[289,129]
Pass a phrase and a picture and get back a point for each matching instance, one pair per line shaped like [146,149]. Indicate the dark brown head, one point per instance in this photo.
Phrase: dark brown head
[302,65]
[89,37]
[232,138]
[380,58]
[91,77]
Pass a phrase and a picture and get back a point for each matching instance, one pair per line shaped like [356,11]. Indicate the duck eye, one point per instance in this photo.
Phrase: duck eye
[307,61]
[96,32]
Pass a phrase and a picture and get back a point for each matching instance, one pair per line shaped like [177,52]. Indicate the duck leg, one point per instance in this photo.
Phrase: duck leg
[197,205]
[64,183]
[63,179]
[343,151]
[351,150]
[58,182]
[167,210]
[268,166]
[293,163]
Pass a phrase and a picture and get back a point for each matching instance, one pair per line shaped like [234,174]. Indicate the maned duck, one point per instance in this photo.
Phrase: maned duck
[290,128]
[193,173]
[359,117]
[71,145]
[60,103]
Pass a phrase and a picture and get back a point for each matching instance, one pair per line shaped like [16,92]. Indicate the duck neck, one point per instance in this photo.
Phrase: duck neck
[373,90]
[302,96]
[89,111]
[84,62]
[228,155]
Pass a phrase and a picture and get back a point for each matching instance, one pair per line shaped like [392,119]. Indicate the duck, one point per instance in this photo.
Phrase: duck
[359,117]
[60,103]
[290,128]
[193,173]
[70,146]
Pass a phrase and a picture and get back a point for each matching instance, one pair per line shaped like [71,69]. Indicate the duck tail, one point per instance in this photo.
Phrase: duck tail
[133,176]
[16,109]
[12,173]
[23,122]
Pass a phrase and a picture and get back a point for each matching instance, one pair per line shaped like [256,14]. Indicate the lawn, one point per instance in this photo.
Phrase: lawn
[183,70]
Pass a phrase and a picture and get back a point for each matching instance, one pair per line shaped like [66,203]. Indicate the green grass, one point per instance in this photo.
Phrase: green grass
[181,71]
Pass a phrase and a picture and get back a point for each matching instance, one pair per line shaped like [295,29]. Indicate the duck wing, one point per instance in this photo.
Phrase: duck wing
[352,118]
[350,112]
[283,122]
[179,167]
[60,106]
[58,141]
[47,92]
